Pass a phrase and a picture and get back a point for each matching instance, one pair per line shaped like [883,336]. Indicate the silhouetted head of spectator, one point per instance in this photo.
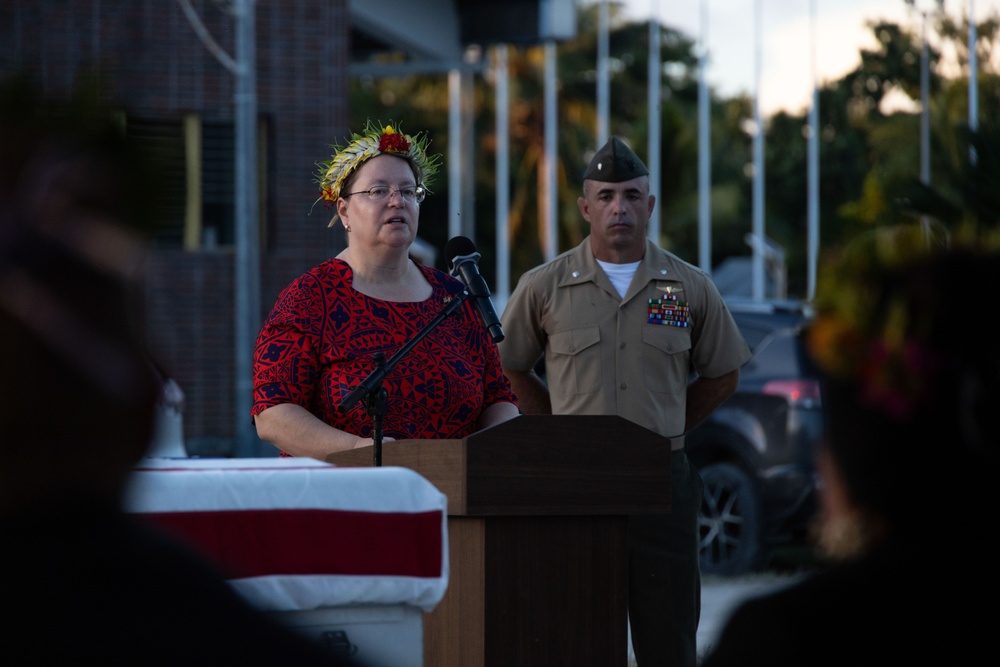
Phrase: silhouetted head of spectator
[906,334]
[77,390]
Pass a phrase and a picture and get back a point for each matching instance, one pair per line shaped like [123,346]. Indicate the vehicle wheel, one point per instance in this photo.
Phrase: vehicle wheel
[729,521]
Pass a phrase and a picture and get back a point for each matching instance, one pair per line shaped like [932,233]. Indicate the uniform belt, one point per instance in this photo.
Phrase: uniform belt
[676,443]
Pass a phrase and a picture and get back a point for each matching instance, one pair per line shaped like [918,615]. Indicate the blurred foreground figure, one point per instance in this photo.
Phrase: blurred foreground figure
[81,582]
[907,337]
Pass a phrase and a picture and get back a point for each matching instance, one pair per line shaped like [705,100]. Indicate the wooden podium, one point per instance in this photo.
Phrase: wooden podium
[538,536]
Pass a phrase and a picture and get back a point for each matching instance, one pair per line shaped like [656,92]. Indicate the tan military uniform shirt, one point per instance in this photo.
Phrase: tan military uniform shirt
[602,354]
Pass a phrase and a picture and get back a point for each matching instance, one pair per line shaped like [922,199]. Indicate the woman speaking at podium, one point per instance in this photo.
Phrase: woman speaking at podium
[319,341]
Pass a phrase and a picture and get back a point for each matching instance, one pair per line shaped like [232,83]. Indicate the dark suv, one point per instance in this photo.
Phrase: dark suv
[755,452]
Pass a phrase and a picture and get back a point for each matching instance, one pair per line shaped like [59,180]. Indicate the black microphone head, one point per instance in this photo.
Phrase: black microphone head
[458,246]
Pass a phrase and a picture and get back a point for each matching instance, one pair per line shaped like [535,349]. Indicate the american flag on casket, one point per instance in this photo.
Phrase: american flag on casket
[299,534]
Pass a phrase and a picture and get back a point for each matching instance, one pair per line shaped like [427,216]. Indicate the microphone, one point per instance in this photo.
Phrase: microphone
[463,263]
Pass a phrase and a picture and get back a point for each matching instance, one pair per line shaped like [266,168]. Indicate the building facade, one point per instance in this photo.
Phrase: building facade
[177,95]
[163,63]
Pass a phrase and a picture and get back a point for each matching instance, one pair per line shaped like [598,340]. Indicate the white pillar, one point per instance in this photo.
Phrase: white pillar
[653,146]
[813,169]
[502,177]
[603,85]
[247,252]
[454,153]
[757,277]
[704,150]
[973,78]
[550,246]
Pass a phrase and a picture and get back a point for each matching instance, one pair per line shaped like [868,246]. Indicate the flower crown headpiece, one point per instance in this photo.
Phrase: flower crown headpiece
[375,140]
[869,331]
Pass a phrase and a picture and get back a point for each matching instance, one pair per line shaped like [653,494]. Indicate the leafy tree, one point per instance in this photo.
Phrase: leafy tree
[869,152]
[421,102]
[965,163]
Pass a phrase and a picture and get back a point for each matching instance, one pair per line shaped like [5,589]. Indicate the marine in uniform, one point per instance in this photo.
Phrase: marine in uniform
[626,328]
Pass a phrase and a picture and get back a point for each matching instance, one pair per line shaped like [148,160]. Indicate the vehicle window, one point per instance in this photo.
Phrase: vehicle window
[780,355]
[753,333]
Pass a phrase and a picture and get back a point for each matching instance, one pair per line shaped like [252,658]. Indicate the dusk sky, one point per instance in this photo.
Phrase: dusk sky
[787,28]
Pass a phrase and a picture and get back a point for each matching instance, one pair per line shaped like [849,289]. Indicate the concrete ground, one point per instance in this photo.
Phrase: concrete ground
[720,596]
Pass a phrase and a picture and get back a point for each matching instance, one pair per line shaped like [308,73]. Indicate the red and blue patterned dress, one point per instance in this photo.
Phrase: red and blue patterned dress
[317,344]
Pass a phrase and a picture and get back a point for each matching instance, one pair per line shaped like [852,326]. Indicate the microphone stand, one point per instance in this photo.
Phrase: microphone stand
[375,396]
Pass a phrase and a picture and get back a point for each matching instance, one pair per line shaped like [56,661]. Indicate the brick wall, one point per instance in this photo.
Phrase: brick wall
[152,63]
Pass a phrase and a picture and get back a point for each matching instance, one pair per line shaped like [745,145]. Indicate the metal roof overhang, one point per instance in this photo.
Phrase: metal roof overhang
[397,37]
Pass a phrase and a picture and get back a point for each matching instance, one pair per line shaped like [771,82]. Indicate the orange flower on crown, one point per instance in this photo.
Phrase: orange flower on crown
[871,336]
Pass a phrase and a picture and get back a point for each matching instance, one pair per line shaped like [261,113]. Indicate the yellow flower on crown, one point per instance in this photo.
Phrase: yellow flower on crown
[375,140]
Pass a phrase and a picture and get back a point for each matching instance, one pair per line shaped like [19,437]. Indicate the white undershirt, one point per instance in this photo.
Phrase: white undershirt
[620,274]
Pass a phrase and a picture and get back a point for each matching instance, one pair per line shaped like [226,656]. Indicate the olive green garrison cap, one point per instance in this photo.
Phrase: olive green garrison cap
[615,163]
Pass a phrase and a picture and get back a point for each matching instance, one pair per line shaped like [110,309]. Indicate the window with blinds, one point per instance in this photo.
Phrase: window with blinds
[196,161]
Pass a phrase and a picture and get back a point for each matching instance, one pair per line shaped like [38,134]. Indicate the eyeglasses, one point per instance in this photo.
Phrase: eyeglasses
[410,193]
